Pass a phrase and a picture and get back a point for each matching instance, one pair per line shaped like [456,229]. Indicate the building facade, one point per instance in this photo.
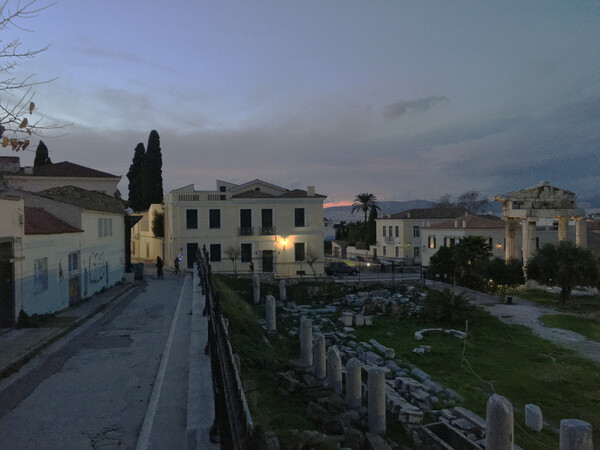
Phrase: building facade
[58,246]
[144,245]
[399,234]
[255,226]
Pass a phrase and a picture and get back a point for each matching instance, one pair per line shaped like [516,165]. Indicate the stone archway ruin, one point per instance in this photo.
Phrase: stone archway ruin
[530,204]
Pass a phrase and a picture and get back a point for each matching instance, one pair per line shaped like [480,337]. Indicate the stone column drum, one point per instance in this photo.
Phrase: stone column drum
[306,342]
[270,313]
[499,429]
[282,291]
[319,357]
[575,435]
[353,384]
[256,288]
[376,400]
[334,369]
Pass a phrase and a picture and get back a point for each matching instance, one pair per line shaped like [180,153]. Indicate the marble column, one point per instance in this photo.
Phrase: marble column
[282,291]
[575,435]
[270,313]
[353,384]
[334,369]
[580,232]
[256,288]
[528,239]
[563,222]
[499,426]
[376,400]
[319,357]
[510,249]
[306,342]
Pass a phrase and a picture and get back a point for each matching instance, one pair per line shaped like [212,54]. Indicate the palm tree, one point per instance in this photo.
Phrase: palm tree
[365,202]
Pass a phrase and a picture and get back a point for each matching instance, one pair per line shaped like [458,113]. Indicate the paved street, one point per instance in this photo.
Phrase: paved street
[120,381]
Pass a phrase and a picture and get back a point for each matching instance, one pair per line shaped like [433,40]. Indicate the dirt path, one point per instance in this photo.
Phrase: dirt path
[524,312]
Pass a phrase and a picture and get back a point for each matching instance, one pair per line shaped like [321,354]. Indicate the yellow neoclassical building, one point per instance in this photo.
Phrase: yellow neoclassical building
[255,226]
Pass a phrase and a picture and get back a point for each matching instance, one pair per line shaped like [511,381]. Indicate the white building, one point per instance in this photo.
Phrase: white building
[399,234]
[65,173]
[58,246]
[451,232]
[253,226]
[144,245]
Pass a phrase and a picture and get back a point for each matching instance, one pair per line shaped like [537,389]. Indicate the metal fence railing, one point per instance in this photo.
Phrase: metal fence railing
[232,416]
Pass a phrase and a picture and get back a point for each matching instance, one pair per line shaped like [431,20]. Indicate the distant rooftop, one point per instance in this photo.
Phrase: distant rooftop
[66,169]
[428,213]
[93,200]
[469,222]
[39,221]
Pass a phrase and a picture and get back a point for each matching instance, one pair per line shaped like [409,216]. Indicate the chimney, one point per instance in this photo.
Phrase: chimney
[310,191]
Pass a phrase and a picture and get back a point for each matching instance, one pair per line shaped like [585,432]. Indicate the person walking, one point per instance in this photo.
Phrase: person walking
[176,264]
[159,268]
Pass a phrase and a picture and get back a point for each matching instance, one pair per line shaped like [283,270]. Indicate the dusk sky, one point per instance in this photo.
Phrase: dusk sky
[403,99]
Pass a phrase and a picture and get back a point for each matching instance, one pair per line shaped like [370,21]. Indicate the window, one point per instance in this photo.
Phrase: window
[245,222]
[299,217]
[397,252]
[397,231]
[40,275]
[73,262]
[416,252]
[384,228]
[214,219]
[416,231]
[215,250]
[449,242]
[104,227]
[222,188]
[266,222]
[390,230]
[492,246]
[431,241]
[191,219]
[246,253]
[385,250]
[299,251]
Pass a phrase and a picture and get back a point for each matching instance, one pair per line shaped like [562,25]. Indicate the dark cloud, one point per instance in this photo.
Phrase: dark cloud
[420,105]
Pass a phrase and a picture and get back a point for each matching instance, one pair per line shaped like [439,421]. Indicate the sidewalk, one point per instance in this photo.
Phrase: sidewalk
[18,346]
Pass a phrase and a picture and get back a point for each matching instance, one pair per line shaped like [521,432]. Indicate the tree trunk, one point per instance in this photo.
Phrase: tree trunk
[565,293]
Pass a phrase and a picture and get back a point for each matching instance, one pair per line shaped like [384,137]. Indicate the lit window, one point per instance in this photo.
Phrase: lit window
[431,241]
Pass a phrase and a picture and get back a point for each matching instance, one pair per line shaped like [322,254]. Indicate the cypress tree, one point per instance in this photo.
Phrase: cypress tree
[41,155]
[152,172]
[136,197]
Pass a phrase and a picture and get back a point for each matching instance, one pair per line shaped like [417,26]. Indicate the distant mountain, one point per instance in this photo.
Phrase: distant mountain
[589,202]
[339,213]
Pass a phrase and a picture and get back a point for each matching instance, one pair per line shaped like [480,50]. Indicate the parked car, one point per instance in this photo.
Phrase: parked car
[358,258]
[340,268]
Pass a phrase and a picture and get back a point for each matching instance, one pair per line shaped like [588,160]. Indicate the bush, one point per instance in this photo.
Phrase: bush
[445,307]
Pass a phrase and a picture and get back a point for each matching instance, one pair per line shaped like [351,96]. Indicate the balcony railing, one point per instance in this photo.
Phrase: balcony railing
[267,231]
[246,231]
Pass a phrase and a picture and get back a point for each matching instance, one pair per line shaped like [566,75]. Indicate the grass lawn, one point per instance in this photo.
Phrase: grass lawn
[519,365]
[586,327]
[577,304]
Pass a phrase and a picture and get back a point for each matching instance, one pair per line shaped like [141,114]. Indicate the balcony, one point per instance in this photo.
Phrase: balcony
[267,231]
[246,231]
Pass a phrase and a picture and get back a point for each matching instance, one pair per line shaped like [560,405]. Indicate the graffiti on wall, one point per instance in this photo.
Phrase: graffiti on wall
[96,267]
